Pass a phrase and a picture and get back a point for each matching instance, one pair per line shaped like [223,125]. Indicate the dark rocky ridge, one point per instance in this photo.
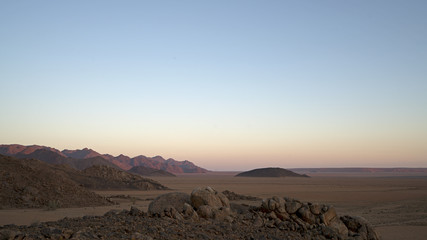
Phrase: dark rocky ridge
[150,172]
[104,177]
[270,172]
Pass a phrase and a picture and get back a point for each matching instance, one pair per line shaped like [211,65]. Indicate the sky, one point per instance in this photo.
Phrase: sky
[228,85]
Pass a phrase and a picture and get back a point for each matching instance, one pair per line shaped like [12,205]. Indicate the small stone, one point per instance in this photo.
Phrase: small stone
[135,211]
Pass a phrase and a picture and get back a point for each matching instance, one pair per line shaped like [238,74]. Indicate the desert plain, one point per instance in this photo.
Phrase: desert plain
[394,203]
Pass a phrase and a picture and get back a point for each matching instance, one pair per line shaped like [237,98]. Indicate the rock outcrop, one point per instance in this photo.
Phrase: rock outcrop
[307,220]
[175,205]
[210,203]
[177,216]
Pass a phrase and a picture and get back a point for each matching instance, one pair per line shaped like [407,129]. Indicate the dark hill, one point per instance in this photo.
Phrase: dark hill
[150,172]
[31,183]
[105,177]
[270,172]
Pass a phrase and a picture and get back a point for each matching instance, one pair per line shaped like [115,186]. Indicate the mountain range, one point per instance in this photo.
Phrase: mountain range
[84,158]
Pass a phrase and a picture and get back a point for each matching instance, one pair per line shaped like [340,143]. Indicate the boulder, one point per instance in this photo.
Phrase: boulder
[292,206]
[205,211]
[316,209]
[135,212]
[210,197]
[282,215]
[329,215]
[189,212]
[176,200]
[305,214]
[208,212]
[360,227]
[211,204]
[339,227]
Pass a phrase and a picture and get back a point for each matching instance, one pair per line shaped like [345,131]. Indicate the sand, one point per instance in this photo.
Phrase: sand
[395,205]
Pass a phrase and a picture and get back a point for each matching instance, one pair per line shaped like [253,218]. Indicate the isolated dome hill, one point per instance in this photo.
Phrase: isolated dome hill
[270,172]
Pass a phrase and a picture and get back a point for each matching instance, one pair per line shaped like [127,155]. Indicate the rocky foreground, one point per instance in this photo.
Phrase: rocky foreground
[205,214]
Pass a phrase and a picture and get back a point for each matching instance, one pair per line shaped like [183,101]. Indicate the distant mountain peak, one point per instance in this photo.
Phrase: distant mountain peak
[81,153]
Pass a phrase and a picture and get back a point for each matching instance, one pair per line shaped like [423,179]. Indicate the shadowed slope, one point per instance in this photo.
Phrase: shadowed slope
[31,183]
[150,172]
[104,177]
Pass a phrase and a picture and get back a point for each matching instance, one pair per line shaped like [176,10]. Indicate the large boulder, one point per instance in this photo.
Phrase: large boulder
[339,227]
[165,203]
[329,215]
[211,204]
[330,219]
[210,197]
[305,214]
[358,226]
[292,206]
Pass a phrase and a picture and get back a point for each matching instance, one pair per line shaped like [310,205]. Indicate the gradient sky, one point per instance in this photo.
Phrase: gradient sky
[228,85]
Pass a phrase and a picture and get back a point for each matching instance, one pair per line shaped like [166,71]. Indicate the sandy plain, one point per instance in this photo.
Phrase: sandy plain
[396,204]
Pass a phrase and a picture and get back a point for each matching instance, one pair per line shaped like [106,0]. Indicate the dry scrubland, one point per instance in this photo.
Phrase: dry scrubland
[395,205]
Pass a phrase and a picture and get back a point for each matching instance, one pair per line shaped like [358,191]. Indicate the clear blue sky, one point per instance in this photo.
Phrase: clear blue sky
[229,85]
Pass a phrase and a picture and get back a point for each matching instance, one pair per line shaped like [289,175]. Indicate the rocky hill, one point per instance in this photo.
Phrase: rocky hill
[84,158]
[270,172]
[105,177]
[150,172]
[34,184]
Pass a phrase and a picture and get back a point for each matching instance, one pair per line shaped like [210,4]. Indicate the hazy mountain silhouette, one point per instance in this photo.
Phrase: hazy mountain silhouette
[83,158]
[53,157]
[81,154]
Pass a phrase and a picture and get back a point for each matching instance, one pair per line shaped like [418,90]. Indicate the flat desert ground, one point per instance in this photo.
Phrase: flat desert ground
[395,204]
